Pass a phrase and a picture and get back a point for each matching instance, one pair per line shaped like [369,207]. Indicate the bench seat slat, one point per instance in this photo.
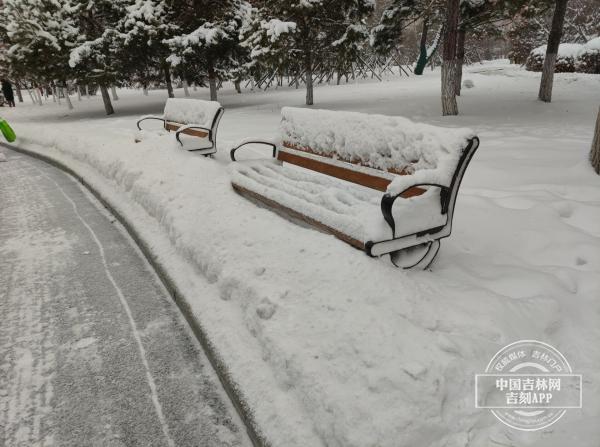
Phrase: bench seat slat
[360,175]
[359,178]
[171,126]
[358,164]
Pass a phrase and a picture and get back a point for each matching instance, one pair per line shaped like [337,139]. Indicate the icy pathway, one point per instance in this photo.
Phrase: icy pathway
[93,352]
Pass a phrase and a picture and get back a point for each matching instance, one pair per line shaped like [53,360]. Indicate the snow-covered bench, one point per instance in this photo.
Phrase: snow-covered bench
[193,117]
[418,167]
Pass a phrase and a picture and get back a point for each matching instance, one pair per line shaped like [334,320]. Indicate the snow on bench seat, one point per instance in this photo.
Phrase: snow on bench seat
[418,166]
[350,209]
[193,117]
[191,111]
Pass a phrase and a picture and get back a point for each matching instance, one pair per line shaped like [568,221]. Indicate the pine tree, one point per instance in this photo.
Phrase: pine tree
[398,15]
[100,59]
[487,19]
[299,37]
[207,46]
[41,34]
[143,31]
[530,28]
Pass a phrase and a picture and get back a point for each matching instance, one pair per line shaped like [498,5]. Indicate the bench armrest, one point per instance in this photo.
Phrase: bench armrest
[190,126]
[387,202]
[246,141]
[149,117]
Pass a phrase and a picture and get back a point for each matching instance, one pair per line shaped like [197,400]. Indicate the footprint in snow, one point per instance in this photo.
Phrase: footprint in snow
[266,309]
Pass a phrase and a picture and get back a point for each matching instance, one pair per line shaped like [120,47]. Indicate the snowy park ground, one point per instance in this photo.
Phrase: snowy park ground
[328,346]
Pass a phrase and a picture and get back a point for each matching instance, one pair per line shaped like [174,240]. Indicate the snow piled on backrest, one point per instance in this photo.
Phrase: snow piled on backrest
[191,111]
[377,141]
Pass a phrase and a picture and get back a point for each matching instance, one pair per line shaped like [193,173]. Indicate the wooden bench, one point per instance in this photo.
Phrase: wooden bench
[192,117]
[348,160]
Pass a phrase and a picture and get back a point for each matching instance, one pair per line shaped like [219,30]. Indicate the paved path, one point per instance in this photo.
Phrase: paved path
[92,350]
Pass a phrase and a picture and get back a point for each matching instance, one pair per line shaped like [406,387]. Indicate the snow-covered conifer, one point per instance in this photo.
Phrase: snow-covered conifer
[40,34]
[299,36]
[207,46]
[100,58]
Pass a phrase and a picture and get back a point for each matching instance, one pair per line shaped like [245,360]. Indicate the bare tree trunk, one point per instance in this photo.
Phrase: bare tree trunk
[78,92]
[595,151]
[65,90]
[168,80]
[30,95]
[309,79]
[38,96]
[87,91]
[53,94]
[19,94]
[449,105]
[212,82]
[106,99]
[460,58]
[545,93]
[237,85]
[422,61]
[113,91]
[186,90]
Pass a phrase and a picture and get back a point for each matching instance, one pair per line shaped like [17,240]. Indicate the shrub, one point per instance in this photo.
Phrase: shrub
[565,60]
[588,60]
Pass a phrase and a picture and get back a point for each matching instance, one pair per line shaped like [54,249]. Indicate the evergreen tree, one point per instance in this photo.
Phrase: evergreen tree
[530,27]
[40,33]
[143,30]
[487,19]
[100,58]
[296,36]
[399,14]
[207,46]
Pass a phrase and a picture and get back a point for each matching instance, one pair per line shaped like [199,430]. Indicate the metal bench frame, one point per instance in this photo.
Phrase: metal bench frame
[195,130]
[427,239]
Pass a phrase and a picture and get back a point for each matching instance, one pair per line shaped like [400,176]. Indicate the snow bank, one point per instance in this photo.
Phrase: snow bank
[378,141]
[571,57]
[191,111]
[565,50]
[588,59]
[593,44]
[332,347]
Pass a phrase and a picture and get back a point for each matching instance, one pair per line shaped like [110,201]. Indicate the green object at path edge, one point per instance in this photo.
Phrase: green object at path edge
[7,131]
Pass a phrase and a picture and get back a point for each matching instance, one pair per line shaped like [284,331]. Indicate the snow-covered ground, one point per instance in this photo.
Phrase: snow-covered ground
[329,346]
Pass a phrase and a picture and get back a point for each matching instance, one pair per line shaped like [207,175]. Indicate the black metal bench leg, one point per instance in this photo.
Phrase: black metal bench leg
[420,256]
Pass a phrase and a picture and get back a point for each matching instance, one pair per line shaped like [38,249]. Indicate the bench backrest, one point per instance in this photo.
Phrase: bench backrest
[191,111]
[369,150]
